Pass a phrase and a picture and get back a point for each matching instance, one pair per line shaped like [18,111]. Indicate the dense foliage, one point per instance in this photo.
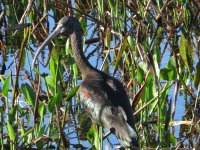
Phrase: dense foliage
[152,47]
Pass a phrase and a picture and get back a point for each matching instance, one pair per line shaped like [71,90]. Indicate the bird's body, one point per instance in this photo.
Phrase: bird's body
[107,103]
[103,97]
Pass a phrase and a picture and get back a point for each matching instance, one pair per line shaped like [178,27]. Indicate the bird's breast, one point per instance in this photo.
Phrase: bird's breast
[90,106]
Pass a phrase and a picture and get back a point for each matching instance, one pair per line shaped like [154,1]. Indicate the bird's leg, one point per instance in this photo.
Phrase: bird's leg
[106,135]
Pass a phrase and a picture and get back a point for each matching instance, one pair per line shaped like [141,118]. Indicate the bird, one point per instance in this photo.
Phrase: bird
[103,97]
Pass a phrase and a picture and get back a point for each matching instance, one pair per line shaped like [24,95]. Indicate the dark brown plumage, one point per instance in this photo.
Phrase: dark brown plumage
[103,97]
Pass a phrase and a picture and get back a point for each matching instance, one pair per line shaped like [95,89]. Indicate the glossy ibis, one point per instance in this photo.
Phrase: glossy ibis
[103,97]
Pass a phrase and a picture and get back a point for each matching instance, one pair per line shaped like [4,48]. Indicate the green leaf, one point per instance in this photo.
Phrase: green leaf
[150,88]
[72,92]
[164,93]
[23,45]
[75,70]
[167,74]
[90,135]
[97,136]
[12,113]
[2,79]
[6,86]
[23,59]
[111,4]
[173,139]
[100,6]
[50,83]
[117,11]
[53,68]
[68,48]
[186,52]
[142,68]
[41,109]
[172,63]
[163,111]
[11,132]
[57,50]
[131,42]
[83,22]
[140,74]
[54,100]
[197,75]
[29,94]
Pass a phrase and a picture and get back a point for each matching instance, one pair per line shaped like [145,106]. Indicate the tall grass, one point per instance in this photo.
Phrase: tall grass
[152,47]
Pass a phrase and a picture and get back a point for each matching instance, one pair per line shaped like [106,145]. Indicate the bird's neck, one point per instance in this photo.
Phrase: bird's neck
[76,43]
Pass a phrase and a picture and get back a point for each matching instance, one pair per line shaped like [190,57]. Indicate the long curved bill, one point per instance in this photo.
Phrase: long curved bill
[46,42]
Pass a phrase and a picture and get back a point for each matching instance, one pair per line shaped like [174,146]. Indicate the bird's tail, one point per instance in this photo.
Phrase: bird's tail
[132,141]
[117,123]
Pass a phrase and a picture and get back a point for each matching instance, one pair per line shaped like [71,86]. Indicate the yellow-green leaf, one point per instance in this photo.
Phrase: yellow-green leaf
[29,94]
[68,48]
[6,86]
[75,70]
[111,4]
[186,52]
[72,92]
[131,42]
[53,68]
[41,109]
[11,132]
[54,100]
[167,74]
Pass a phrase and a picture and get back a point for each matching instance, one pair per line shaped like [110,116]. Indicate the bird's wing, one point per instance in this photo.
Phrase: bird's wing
[95,95]
[123,99]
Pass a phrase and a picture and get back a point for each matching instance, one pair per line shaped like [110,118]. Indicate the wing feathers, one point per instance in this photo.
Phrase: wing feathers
[108,107]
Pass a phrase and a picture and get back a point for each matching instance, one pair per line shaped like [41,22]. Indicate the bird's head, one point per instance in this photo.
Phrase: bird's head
[66,25]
